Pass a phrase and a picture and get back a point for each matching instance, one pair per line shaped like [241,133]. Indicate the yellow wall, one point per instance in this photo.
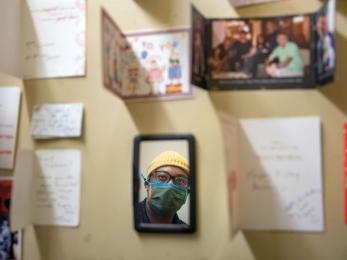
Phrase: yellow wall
[106,230]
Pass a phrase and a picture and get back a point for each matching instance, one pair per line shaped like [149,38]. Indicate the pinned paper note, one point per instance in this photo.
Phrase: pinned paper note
[280,173]
[57,120]
[47,38]
[51,179]
[9,112]
[57,189]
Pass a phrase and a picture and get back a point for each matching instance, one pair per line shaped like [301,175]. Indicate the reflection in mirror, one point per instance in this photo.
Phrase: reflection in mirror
[164,183]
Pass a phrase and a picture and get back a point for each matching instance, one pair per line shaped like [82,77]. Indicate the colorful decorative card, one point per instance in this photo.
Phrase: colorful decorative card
[150,65]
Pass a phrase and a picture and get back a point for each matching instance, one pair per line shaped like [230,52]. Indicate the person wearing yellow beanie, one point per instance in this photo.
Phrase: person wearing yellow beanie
[167,186]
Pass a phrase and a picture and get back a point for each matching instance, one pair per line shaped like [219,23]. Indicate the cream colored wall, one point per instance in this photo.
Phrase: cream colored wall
[106,230]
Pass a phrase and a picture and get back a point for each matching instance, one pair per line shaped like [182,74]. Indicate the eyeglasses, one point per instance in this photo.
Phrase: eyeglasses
[165,177]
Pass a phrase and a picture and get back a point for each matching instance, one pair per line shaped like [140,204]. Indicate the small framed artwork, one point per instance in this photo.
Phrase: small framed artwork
[164,183]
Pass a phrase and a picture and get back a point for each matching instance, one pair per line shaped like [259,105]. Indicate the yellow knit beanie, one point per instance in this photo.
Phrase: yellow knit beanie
[168,158]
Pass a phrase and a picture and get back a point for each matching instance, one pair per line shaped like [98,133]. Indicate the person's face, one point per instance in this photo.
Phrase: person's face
[243,37]
[170,174]
[227,43]
[260,40]
[216,53]
[270,27]
[282,40]
[322,24]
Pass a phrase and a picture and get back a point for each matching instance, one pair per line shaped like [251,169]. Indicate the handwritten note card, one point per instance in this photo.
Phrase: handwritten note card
[43,39]
[58,188]
[54,38]
[57,120]
[281,166]
[51,181]
[9,111]
[280,175]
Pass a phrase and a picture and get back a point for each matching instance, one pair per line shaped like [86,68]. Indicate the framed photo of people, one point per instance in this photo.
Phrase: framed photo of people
[164,183]
[293,51]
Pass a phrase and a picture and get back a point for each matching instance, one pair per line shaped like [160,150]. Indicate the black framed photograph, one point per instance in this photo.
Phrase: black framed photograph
[164,183]
[275,52]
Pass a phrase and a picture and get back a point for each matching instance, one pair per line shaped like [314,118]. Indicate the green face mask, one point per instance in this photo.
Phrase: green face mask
[166,199]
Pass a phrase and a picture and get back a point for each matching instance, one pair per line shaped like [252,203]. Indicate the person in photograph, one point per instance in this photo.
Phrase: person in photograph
[284,26]
[271,35]
[245,52]
[261,54]
[227,53]
[285,60]
[167,186]
[325,45]
[199,53]
[217,60]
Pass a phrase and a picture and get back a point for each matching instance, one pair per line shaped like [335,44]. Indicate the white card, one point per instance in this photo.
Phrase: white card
[51,179]
[43,39]
[57,189]
[279,184]
[57,120]
[9,112]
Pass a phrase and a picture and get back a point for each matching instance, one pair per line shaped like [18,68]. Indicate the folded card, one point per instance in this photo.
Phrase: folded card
[46,188]
[43,39]
[146,65]
[9,113]
[291,51]
[274,171]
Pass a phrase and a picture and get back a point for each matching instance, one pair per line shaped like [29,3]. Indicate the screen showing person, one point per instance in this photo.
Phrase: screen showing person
[163,184]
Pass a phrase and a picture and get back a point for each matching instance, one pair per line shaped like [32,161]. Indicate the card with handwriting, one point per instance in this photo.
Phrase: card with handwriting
[146,65]
[43,39]
[9,113]
[57,121]
[275,173]
[46,188]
